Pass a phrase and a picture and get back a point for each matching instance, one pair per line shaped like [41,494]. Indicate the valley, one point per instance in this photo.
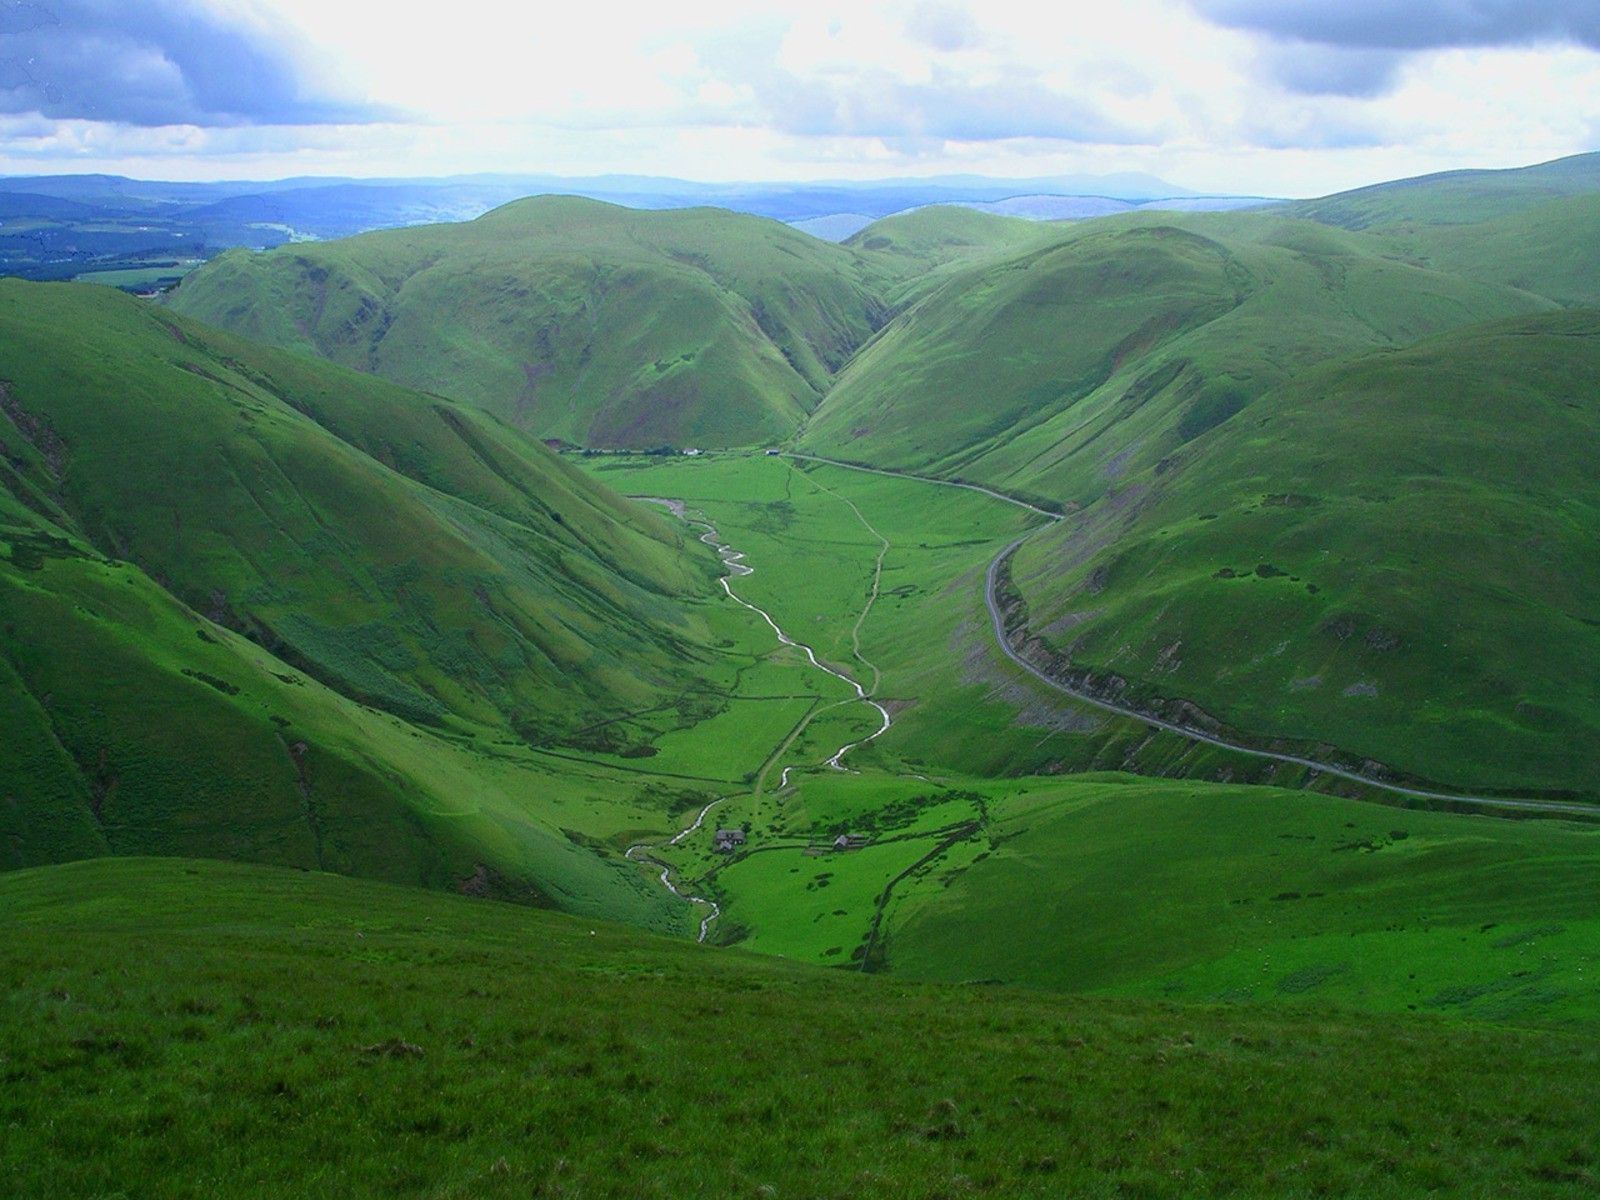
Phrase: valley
[1154,644]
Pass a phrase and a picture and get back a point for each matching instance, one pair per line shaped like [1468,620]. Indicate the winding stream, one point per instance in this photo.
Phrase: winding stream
[638,853]
[733,560]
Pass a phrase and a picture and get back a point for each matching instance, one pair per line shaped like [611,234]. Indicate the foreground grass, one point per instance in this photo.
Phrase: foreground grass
[185,1028]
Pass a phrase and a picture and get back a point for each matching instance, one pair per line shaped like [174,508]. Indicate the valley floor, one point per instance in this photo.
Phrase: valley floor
[903,814]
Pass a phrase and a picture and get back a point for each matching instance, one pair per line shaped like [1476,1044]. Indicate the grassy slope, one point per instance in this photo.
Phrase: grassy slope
[1264,896]
[1060,370]
[572,318]
[1393,555]
[426,589]
[138,728]
[411,552]
[1553,249]
[199,1029]
[1455,197]
[918,248]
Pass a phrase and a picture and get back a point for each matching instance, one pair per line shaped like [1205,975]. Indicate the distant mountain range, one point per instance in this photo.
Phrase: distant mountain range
[141,233]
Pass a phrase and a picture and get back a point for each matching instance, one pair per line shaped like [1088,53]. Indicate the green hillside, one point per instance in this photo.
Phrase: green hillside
[1393,554]
[1058,371]
[1261,897]
[1455,197]
[571,318]
[197,1029]
[1553,249]
[918,246]
[263,607]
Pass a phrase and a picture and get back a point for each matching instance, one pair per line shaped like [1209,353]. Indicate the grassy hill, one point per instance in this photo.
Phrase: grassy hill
[1552,249]
[571,318]
[918,246]
[1392,554]
[195,1028]
[1262,897]
[260,606]
[1455,197]
[1062,369]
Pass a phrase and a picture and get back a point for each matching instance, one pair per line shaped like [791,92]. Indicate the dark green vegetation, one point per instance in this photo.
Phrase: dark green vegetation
[600,325]
[195,1029]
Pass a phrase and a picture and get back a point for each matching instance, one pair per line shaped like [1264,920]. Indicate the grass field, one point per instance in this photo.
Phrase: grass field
[204,1029]
[1261,896]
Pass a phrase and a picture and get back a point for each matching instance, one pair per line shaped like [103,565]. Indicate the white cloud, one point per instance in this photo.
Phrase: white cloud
[1288,97]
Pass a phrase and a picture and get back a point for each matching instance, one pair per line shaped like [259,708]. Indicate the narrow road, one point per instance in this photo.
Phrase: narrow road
[990,601]
[966,487]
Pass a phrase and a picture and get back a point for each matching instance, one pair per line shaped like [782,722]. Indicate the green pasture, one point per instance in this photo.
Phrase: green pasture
[956,703]
[140,277]
[1253,894]
[191,1028]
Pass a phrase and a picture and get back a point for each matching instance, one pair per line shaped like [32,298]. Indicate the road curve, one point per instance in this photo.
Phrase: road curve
[991,578]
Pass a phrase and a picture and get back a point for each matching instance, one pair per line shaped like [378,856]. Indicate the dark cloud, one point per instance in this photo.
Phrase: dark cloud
[154,62]
[1356,47]
[1333,70]
[1412,24]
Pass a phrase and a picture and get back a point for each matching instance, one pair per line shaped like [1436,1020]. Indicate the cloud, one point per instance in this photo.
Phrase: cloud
[1333,70]
[159,62]
[1413,24]
[943,26]
[879,106]
[1357,47]
[843,97]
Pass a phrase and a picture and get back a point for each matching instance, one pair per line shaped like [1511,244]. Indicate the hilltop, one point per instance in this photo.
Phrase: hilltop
[570,318]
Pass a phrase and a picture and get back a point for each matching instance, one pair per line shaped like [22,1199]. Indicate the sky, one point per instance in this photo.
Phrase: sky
[1251,97]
